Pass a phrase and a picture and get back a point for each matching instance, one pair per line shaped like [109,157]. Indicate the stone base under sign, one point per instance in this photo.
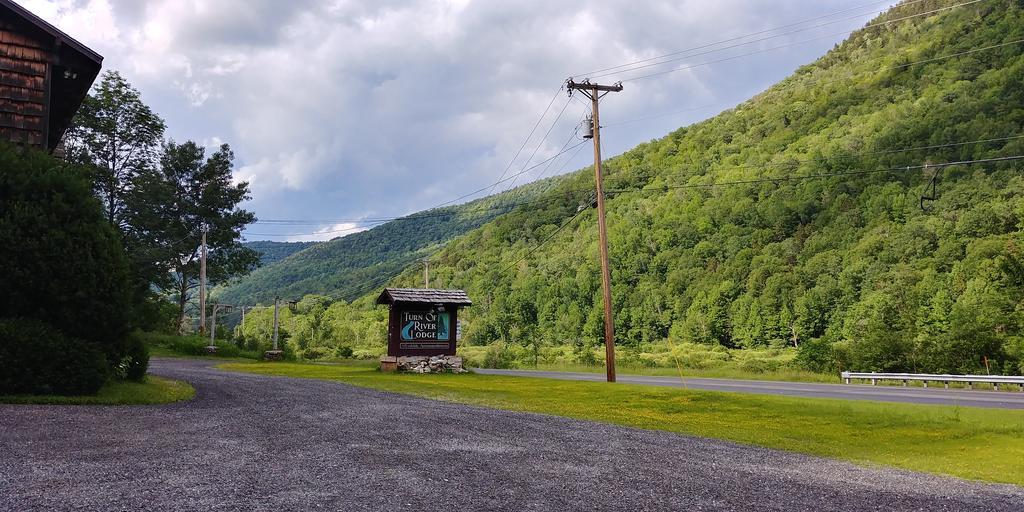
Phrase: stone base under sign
[422,364]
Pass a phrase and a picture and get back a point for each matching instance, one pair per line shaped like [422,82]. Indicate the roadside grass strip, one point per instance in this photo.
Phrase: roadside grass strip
[153,390]
[966,442]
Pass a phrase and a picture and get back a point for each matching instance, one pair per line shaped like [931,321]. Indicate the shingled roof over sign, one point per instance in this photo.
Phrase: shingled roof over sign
[425,295]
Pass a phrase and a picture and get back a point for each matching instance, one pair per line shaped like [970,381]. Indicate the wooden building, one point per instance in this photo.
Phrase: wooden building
[44,77]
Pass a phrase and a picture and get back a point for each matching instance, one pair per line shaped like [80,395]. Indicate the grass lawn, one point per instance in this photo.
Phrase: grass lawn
[714,373]
[974,443]
[154,390]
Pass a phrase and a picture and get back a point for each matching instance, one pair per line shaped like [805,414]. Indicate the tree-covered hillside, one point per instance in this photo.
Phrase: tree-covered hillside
[792,220]
[272,252]
[350,266]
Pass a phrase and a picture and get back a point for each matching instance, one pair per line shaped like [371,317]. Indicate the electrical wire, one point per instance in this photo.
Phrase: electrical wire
[544,241]
[798,177]
[523,145]
[907,168]
[542,141]
[787,45]
[744,36]
[514,204]
[869,26]
[819,81]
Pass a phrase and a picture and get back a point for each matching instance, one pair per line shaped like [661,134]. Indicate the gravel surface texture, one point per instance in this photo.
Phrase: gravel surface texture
[1010,398]
[251,442]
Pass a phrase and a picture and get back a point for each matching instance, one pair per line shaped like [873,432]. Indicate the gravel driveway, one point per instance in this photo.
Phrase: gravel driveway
[269,443]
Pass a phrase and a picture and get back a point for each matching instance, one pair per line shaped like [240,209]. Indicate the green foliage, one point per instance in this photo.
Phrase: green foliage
[134,364]
[845,270]
[169,207]
[116,135]
[272,252]
[60,261]
[172,344]
[39,359]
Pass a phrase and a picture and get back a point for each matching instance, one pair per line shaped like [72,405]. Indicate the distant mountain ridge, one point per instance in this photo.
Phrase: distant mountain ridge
[347,267]
[271,252]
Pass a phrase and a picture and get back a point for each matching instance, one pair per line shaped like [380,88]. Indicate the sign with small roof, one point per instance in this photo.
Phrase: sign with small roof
[423,321]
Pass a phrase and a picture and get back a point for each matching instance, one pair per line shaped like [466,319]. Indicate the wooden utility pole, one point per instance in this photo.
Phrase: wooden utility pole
[276,301]
[202,284]
[426,272]
[213,325]
[595,92]
[213,320]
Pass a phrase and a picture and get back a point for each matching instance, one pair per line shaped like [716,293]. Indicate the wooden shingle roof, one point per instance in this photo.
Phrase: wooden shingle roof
[425,295]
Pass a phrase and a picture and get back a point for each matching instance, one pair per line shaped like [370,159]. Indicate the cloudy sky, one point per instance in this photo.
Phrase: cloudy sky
[344,110]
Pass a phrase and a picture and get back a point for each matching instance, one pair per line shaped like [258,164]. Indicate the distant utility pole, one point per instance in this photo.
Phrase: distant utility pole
[213,321]
[595,92]
[202,283]
[426,272]
[277,300]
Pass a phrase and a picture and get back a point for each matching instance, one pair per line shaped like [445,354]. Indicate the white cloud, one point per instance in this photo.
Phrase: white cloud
[337,109]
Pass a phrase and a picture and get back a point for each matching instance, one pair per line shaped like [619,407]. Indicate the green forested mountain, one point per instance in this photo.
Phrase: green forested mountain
[792,220]
[272,252]
[349,266]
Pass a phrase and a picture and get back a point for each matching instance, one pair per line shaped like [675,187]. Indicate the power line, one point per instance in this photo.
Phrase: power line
[546,240]
[513,204]
[523,145]
[866,153]
[907,168]
[781,179]
[542,141]
[819,81]
[428,213]
[872,25]
[787,45]
[744,36]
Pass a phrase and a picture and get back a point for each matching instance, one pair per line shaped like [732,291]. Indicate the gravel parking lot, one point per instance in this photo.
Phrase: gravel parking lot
[251,442]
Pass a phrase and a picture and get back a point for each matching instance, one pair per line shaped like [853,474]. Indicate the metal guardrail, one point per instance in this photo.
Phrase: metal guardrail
[995,380]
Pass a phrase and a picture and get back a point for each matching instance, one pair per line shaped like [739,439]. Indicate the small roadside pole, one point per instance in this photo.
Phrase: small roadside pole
[202,283]
[213,322]
[277,301]
[276,354]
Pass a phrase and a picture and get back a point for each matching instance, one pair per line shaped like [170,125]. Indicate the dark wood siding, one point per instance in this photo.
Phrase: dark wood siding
[23,83]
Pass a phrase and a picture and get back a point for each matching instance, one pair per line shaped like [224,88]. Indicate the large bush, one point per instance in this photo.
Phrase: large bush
[36,358]
[60,261]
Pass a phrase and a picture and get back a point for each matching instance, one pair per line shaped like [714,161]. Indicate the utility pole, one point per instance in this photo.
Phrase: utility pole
[213,321]
[202,283]
[276,301]
[426,272]
[595,92]
[213,325]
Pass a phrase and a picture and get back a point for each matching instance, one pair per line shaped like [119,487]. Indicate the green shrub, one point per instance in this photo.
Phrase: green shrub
[313,353]
[192,345]
[61,262]
[343,351]
[36,358]
[136,360]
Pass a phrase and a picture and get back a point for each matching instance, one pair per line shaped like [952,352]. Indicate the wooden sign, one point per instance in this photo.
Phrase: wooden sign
[423,322]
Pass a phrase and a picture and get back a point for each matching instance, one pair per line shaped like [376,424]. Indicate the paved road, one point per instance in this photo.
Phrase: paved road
[272,444]
[961,397]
